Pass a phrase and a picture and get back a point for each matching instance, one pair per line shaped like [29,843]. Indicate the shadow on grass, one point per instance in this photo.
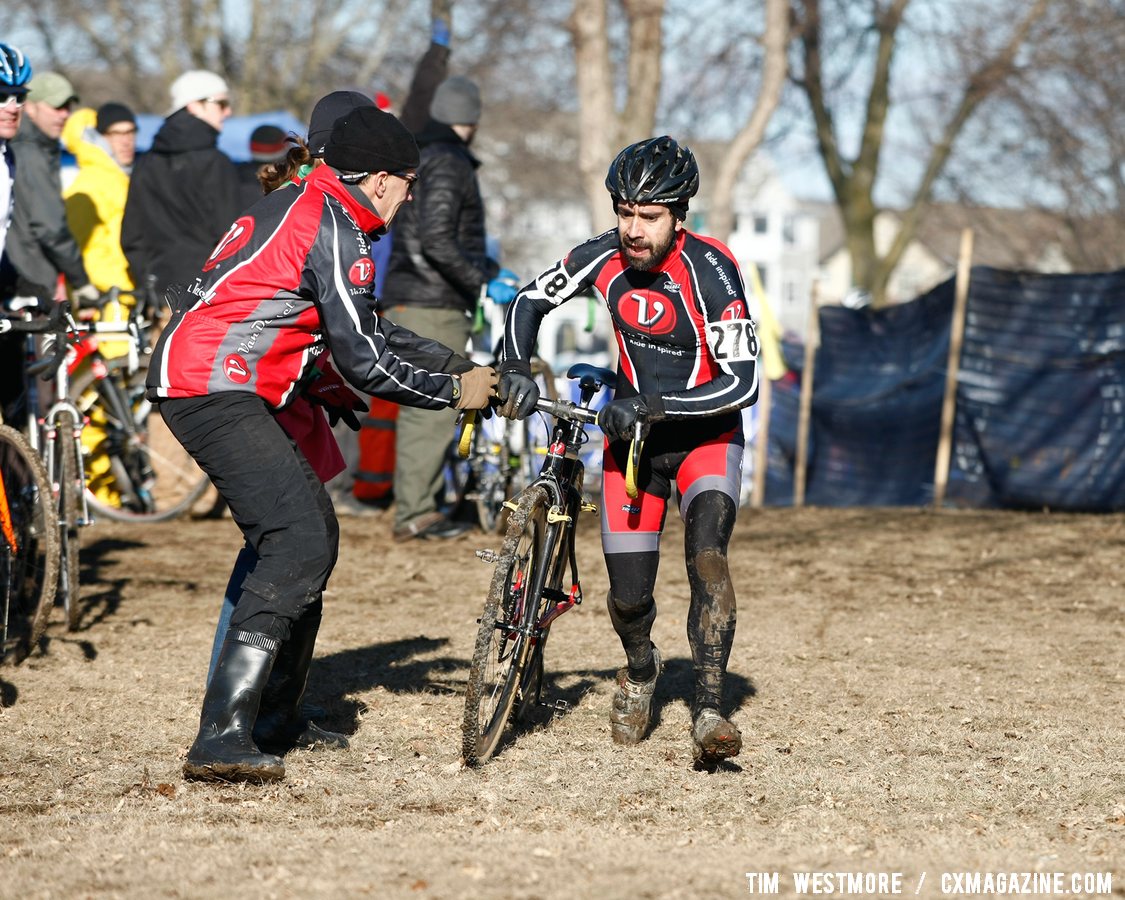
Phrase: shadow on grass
[100,597]
[396,666]
[409,666]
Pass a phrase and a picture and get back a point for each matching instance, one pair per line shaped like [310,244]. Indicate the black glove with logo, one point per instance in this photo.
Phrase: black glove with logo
[618,418]
[518,395]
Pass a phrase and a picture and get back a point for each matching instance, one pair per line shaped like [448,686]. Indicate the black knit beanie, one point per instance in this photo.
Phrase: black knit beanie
[328,109]
[109,114]
[370,140]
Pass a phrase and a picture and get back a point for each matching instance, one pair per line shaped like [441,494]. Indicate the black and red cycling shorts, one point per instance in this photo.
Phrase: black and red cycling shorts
[696,455]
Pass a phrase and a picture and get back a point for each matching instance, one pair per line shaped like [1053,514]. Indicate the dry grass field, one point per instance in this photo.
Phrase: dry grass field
[918,692]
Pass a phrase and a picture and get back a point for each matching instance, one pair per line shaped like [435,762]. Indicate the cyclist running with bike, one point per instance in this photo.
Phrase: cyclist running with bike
[687,366]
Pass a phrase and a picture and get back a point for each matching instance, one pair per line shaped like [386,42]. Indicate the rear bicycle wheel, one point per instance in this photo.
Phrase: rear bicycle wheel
[507,630]
[29,553]
[135,468]
[70,484]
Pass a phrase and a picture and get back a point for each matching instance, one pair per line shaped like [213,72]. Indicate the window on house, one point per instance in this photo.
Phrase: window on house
[761,223]
[789,230]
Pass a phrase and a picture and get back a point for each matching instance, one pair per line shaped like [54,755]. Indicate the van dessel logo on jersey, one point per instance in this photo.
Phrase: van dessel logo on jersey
[736,310]
[233,241]
[362,272]
[648,312]
[236,369]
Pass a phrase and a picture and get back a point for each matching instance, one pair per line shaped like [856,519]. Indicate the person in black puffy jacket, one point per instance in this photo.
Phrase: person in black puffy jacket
[185,191]
[438,265]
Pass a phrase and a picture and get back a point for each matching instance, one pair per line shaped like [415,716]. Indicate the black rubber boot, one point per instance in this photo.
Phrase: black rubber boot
[224,749]
[282,722]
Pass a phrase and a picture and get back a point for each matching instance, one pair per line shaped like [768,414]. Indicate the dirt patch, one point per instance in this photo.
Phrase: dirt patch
[917,691]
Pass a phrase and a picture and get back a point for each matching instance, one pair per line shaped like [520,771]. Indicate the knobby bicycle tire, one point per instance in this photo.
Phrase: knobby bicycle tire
[70,484]
[28,573]
[501,653]
[154,478]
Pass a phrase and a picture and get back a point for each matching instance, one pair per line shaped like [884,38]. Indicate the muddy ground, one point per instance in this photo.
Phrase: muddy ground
[919,693]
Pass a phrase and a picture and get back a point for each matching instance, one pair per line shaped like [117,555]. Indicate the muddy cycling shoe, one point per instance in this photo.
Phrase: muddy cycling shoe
[632,704]
[714,738]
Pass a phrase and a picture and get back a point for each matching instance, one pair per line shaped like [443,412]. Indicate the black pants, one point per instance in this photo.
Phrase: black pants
[274,496]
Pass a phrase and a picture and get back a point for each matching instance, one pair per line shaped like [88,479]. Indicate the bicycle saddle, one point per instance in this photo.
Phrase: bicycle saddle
[598,376]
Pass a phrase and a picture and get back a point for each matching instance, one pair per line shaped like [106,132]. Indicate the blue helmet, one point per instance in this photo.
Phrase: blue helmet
[15,70]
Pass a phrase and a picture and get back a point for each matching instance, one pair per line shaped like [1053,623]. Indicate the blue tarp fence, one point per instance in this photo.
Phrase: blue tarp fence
[1040,406]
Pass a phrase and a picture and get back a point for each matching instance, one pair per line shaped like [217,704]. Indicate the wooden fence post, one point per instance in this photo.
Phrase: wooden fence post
[956,340]
[812,340]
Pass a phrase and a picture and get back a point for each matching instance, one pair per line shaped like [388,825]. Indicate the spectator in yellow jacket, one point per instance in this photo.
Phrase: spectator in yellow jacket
[104,144]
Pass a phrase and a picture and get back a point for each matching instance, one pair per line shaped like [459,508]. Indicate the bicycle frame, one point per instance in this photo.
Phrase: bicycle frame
[561,476]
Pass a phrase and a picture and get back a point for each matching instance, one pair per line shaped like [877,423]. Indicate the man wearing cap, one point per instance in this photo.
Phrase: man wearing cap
[185,191]
[290,280]
[438,264]
[40,245]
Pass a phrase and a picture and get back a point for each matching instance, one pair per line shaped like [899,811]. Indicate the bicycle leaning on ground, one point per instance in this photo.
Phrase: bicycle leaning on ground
[526,594]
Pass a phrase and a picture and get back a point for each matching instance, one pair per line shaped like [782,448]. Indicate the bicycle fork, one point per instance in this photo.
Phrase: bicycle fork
[52,435]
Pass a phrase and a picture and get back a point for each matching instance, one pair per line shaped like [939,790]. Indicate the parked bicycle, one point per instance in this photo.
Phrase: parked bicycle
[29,550]
[56,436]
[135,469]
[527,591]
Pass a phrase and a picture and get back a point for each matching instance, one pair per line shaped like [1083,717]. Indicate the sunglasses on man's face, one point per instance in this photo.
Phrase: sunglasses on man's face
[221,102]
[16,100]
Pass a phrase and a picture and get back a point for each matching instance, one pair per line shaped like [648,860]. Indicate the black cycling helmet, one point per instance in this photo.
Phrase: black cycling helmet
[654,171]
[15,70]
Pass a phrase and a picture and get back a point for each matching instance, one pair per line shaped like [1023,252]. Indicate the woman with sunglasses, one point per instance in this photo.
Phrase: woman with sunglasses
[185,191]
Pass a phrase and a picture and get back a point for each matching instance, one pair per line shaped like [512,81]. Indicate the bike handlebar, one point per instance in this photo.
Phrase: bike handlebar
[564,409]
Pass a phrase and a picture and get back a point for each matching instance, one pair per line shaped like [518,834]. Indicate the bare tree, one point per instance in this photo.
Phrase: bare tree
[775,43]
[832,29]
[605,125]
[281,54]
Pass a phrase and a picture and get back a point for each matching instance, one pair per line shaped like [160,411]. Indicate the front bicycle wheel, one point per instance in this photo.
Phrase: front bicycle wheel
[70,484]
[29,562]
[507,630]
[135,468]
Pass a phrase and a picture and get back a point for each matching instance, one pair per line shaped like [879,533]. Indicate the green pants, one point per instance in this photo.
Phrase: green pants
[422,436]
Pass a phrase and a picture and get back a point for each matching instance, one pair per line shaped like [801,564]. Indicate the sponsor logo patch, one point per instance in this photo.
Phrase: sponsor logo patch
[236,369]
[362,272]
[234,240]
[736,310]
[648,312]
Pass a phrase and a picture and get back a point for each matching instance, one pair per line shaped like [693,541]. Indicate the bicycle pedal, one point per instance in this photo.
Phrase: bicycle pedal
[589,507]
[557,707]
[487,556]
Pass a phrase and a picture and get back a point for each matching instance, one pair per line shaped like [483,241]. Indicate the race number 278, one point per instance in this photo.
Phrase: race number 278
[733,339]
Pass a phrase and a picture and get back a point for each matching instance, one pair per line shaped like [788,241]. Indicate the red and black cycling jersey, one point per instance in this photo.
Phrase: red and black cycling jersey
[290,279]
[686,340]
